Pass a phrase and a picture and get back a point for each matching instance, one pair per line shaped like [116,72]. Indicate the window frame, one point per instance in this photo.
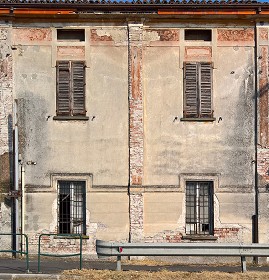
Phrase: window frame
[70,89]
[196,213]
[198,91]
[71,195]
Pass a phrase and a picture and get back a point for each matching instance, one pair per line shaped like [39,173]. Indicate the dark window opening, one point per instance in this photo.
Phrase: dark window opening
[71,207]
[199,208]
[198,90]
[70,99]
[71,35]
[198,35]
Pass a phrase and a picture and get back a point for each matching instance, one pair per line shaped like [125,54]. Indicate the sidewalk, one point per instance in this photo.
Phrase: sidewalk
[50,268]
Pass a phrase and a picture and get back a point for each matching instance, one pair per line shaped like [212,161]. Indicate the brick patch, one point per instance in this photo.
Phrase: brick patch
[166,236]
[227,234]
[263,163]
[136,217]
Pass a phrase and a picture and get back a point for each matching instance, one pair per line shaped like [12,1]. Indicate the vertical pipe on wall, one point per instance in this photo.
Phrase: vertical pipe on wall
[129,147]
[16,180]
[22,205]
[255,221]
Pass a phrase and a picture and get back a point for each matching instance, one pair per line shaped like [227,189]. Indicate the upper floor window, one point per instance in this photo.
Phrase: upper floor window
[71,35]
[198,90]
[70,99]
[198,35]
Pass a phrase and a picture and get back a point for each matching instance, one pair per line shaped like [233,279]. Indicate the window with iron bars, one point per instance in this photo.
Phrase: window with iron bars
[199,208]
[72,207]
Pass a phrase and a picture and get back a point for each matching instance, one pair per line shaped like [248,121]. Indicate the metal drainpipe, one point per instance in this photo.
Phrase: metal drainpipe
[15,214]
[22,205]
[129,147]
[256,182]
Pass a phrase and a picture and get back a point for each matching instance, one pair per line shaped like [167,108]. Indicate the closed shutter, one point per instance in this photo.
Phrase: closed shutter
[78,79]
[63,88]
[205,89]
[191,90]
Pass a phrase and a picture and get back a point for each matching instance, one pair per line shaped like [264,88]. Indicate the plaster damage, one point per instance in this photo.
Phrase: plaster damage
[133,140]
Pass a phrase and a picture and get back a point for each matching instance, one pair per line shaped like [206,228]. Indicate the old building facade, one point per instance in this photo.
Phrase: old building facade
[136,122]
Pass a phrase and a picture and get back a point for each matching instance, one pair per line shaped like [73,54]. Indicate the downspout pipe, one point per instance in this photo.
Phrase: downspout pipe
[129,146]
[15,214]
[255,221]
[22,205]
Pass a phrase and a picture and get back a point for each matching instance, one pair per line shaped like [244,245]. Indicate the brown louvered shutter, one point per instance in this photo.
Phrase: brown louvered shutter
[63,88]
[191,90]
[78,88]
[205,89]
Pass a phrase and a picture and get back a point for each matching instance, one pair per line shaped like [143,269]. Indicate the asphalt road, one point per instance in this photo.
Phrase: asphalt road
[58,265]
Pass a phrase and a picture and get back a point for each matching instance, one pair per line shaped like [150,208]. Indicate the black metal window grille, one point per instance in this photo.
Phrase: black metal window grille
[199,208]
[72,207]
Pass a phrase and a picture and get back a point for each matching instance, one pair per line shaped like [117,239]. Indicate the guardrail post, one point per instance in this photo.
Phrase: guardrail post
[80,252]
[243,264]
[118,263]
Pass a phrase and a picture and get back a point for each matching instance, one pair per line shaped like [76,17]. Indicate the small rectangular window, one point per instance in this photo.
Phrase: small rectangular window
[72,207]
[199,208]
[71,35]
[198,35]
[198,90]
[70,99]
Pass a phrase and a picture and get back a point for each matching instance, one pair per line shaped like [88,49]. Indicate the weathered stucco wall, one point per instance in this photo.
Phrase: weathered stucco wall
[223,148]
[97,147]
[262,131]
[6,126]
[135,135]
[79,146]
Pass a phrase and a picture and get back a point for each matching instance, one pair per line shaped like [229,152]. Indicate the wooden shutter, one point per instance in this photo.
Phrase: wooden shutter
[78,88]
[190,90]
[205,84]
[63,88]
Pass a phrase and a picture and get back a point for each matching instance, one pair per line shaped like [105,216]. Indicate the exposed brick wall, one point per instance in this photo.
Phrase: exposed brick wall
[56,245]
[263,165]
[136,104]
[228,234]
[136,217]
[136,133]
[166,236]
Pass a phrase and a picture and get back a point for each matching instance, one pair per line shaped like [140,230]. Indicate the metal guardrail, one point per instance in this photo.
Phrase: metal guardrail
[22,252]
[109,249]
[69,236]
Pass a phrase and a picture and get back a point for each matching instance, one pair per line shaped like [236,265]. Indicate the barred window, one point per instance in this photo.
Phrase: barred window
[70,99]
[199,208]
[198,90]
[72,207]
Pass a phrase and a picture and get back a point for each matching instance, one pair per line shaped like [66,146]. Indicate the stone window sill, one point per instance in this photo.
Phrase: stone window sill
[59,236]
[70,118]
[197,119]
[199,237]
